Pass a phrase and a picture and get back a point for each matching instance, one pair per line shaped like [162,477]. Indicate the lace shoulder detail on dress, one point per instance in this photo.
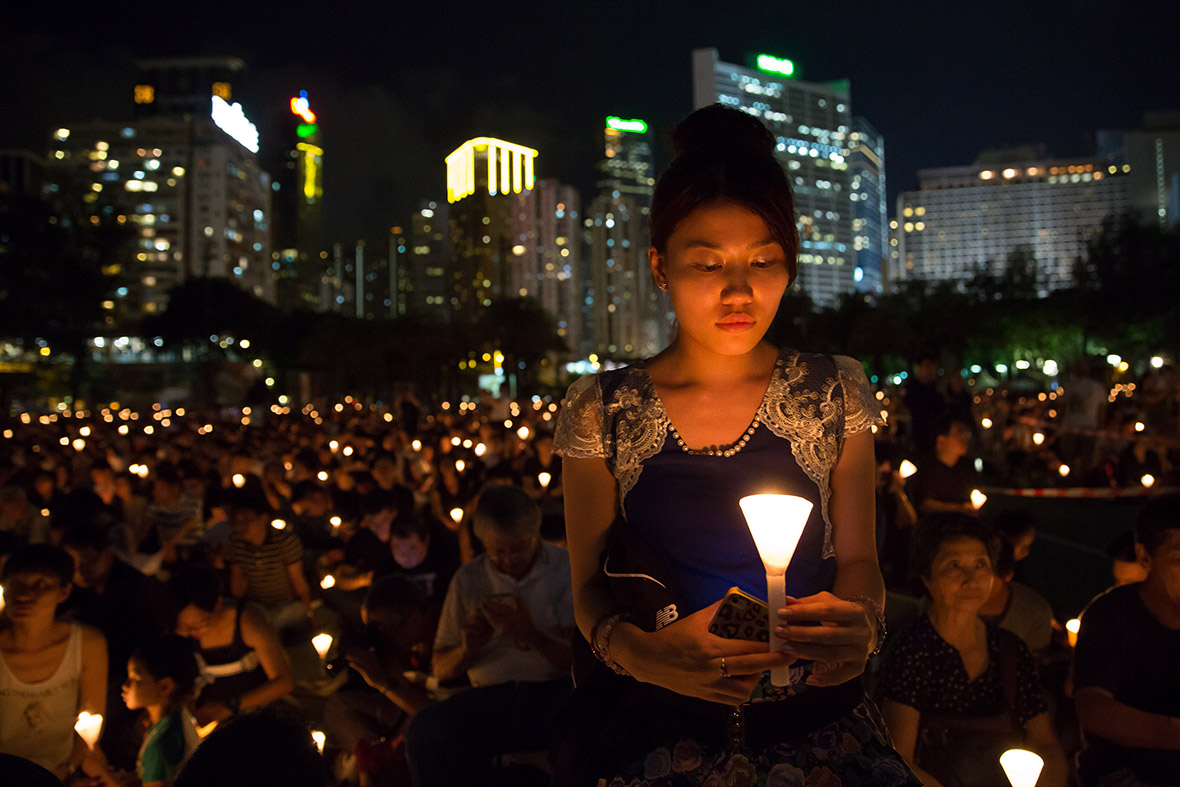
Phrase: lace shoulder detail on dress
[861,408]
[803,408]
[579,424]
[636,425]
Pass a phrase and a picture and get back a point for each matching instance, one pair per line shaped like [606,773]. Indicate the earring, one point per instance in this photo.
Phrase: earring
[663,285]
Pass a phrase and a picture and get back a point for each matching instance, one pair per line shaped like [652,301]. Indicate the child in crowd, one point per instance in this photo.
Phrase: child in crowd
[161,675]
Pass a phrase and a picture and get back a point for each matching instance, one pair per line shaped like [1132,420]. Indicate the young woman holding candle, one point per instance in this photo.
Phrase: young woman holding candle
[50,670]
[663,450]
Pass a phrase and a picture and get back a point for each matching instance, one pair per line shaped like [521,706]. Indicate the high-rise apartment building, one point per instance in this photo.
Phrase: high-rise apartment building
[297,166]
[1153,153]
[870,223]
[622,305]
[812,123]
[626,164]
[183,179]
[964,220]
[426,260]
[485,178]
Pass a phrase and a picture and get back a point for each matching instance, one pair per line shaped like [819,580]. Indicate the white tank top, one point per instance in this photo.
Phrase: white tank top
[37,719]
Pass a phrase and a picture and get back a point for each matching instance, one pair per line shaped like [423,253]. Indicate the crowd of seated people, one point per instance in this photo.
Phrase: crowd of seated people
[429,551]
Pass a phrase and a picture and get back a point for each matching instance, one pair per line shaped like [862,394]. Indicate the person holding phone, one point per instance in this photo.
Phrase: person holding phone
[667,446]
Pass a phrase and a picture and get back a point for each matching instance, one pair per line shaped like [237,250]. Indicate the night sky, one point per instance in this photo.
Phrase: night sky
[398,85]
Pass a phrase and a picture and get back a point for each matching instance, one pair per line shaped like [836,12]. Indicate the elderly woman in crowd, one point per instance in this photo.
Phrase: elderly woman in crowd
[957,691]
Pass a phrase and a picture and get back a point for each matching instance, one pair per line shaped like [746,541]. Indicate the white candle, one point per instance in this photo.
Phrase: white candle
[977,499]
[776,522]
[906,468]
[1022,767]
[543,479]
[319,739]
[1071,630]
[89,727]
[328,581]
[321,643]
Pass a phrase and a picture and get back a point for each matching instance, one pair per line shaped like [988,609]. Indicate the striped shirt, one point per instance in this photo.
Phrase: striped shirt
[265,565]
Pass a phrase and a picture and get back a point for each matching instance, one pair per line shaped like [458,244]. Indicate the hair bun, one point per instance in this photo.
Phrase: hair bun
[722,130]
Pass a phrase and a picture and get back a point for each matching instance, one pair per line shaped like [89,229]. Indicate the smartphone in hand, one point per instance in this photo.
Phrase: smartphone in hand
[741,616]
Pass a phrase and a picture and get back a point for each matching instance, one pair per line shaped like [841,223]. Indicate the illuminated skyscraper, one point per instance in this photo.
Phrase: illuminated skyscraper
[963,220]
[297,164]
[812,122]
[623,309]
[425,263]
[484,178]
[869,205]
[626,166]
[191,188]
[182,85]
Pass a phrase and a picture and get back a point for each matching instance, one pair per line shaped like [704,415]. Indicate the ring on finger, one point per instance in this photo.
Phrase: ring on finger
[724,669]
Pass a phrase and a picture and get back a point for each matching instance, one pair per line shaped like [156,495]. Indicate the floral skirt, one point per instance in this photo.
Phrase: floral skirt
[855,751]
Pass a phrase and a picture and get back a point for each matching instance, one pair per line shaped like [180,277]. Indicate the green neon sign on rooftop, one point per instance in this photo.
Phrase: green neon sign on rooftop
[305,130]
[776,65]
[633,126]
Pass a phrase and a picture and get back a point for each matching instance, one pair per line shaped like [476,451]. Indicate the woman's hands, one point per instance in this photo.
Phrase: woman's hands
[685,658]
[839,645]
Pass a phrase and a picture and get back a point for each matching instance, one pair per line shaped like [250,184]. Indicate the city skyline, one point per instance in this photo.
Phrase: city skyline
[397,93]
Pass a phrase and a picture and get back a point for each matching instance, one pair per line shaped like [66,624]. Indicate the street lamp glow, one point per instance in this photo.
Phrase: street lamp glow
[776,522]
[977,499]
[1114,360]
[906,468]
[321,643]
[1022,767]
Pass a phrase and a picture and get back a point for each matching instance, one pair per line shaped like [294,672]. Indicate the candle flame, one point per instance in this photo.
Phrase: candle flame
[977,499]
[906,468]
[321,643]
[1022,767]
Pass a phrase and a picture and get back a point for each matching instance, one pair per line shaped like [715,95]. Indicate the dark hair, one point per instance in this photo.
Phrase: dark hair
[306,490]
[40,559]
[723,154]
[1122,548]
[256,748]
[1004,563]
[86,537]
[392,598]
[1012,525]
[942,426]
[935,529]
[507,509]
[1155,520]
[195,584]
[169,656]
[410,524]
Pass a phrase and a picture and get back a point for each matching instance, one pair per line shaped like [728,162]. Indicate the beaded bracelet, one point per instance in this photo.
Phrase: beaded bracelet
[872,606]
[600,641]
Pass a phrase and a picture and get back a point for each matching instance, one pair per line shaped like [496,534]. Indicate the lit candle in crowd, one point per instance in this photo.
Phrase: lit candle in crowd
[328,581]
[334,446]
[1140,426]
[460,465]
[319,739]
[1071,629]
[278,524]
[543,479]
[457,515]
[89,727]
[203,732]
[480,449]
[1022,767]
[986,423]
[1148,480]
[239,480]
[1063,470]
[906,468]
[335,521]
[347,450]
[321,643]
[523,433]
[977,499]
[416,445]
[776,522]
[1038,438]
[84,431]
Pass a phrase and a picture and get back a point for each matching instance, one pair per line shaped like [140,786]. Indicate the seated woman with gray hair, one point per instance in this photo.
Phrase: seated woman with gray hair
[957,691]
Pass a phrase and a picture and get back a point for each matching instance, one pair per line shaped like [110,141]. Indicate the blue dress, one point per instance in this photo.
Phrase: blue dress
[684,505]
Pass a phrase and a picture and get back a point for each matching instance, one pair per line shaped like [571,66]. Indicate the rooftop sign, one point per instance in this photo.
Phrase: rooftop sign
[232,120]
[776,65]
[633,126]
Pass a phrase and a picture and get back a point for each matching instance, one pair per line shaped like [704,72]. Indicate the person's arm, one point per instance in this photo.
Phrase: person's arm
[1101,714]
[683,656]
[932,506]
[261,636]
[513,620]
[841,645]
[299,585]
[392,685]
[1043,740]
[237,581]
[92,686]
[902,722]
[462,633]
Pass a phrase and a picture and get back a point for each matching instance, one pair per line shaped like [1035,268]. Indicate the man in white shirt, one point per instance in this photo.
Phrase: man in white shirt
[506,624]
